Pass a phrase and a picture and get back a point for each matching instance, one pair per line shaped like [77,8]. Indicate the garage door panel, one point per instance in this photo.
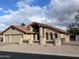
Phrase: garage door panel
[6,38]
[15,38]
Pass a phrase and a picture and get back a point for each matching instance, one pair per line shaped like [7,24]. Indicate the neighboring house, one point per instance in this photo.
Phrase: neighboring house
[35,33]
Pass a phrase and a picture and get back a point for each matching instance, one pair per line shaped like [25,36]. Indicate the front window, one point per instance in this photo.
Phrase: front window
[46,36]
[56,36]
[51,36]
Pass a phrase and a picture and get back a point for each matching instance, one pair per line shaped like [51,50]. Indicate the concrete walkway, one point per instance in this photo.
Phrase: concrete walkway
[65,50]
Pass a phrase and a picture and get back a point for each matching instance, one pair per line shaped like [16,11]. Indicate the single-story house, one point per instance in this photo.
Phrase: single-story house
[35,33]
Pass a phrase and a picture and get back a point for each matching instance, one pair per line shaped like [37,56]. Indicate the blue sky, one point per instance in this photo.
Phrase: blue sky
[40,3]
[11,4]
[56,13]
[8,4]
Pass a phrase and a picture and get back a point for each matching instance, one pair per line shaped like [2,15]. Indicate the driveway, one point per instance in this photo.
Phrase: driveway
[4,44]
[65,50]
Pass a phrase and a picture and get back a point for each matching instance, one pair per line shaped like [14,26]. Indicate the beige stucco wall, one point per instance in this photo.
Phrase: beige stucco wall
[12,31]
[12,35]
[67,38]
[42,34]
[47,30]
[29,38]
[1,36]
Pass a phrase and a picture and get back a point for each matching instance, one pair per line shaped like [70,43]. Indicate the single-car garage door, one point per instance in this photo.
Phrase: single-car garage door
[6,38]
[16,37]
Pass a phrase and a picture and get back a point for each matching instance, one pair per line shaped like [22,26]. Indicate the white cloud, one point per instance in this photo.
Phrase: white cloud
[26,15]
[37,19]
[2,27]
[59,13]
[63,11]
[61,27]
[8,11]
[23,3]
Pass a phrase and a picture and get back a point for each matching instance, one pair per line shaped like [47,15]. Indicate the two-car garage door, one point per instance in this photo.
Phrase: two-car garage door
[16,38]
[13,37]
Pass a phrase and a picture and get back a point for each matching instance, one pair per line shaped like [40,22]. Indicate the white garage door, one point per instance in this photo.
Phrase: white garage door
[6,38]
[16,37]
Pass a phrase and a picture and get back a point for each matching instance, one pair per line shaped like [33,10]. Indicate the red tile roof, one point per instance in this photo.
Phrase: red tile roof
[23,29]
[50,27]
[0,33]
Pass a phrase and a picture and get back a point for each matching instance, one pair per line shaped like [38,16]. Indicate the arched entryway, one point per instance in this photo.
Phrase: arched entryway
[36,35]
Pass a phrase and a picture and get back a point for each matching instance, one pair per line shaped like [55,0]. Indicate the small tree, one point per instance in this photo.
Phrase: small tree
[23,24]
[73,28]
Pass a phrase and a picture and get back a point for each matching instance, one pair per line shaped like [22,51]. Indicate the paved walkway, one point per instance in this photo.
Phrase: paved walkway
[66,49]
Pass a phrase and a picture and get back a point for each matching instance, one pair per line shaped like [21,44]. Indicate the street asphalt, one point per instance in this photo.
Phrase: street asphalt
[14,55]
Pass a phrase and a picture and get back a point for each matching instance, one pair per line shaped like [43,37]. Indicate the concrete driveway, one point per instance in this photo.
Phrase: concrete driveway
[4,44]
[66,49]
